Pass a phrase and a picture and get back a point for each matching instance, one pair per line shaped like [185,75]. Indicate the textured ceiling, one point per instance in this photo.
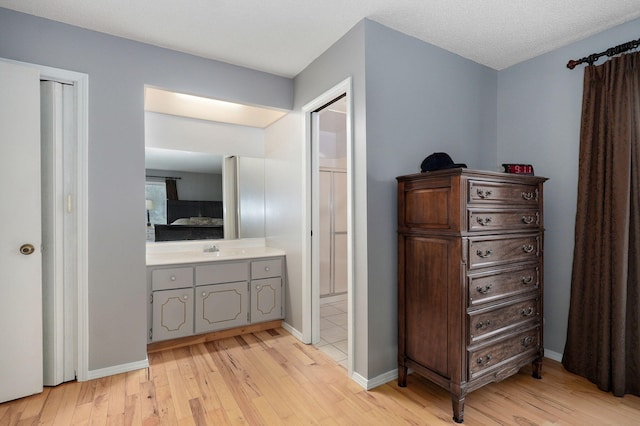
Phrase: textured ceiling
[283,36]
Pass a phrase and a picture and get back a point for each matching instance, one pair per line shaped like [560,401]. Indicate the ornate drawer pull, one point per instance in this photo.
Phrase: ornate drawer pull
[484,360]
[484,253]
[527,280]
[527,312]
[528,196]
[527,248]
[482,193]
[481,325]
[528,219]
[527,341]
[485,289]
[484,221]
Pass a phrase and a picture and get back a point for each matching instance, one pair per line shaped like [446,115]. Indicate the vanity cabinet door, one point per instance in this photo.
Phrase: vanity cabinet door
[266,299]
[220,306]
[172,312]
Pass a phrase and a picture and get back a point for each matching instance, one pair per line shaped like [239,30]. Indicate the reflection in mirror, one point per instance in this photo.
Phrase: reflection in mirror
[224,200]
[194,196]
[184,195]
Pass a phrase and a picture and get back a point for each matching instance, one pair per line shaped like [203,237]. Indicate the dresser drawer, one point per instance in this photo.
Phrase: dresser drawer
[487,192]
[487,323]
[166,279]
[222,273]
[488,287]
[266,269]
[499,250]
[503,354]
[502,220]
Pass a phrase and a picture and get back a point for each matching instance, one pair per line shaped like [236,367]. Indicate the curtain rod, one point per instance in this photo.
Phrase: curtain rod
[164,177]
[612,51]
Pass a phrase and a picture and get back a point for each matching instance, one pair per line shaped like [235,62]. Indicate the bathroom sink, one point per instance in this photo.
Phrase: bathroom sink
[225,253]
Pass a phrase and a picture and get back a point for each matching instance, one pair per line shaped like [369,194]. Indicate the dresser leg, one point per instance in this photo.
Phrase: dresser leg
[458,408]
[402,376]
[537,368]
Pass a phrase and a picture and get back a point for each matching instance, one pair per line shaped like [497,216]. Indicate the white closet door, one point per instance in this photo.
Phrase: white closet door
[58,230]
[20,215]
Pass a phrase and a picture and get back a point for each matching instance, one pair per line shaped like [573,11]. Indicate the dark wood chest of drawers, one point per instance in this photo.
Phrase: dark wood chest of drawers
[470,278]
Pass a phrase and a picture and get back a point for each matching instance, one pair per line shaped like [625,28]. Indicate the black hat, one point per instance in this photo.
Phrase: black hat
[439,161]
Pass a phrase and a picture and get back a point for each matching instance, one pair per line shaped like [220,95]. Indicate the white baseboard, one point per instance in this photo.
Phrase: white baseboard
[117,369]
[295,333]
[553,355]
[369,384]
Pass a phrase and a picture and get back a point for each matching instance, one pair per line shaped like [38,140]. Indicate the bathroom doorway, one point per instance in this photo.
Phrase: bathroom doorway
[331,137]
[331,247]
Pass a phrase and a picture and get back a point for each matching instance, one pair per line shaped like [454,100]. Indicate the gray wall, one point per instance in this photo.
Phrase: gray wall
[118,69]
[539,107]
[420,99]
[346,59]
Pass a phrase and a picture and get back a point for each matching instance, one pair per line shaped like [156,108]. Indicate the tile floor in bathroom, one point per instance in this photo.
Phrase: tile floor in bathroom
[333,330]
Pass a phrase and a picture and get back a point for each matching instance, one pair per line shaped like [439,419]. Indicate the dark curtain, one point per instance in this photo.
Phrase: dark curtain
[603,337]
[172,189]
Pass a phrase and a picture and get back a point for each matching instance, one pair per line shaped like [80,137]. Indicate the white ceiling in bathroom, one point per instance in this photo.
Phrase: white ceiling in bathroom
[283,36]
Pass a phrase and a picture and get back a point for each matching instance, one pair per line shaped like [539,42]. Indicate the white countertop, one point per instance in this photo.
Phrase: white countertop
[191,252]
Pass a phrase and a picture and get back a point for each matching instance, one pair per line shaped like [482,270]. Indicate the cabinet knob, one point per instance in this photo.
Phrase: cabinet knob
[527,341]
[172,277]
[258,287]
[483,253]
[482,193]
[485,289]
[484,360]
[185,296]
[266,268]
[528,220]
[483,324]
[204,294]
[527,248]
[484,221]
[527,312]
[527,280]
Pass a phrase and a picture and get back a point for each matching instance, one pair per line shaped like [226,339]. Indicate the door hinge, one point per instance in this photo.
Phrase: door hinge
[151,298]
[151,334]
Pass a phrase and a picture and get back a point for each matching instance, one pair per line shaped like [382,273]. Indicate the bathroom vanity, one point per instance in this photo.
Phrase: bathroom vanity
[200,288]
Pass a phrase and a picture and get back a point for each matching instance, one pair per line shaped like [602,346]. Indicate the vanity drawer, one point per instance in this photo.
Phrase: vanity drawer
[492,251]
[486,323]
[222,273]
[488,287]
[166,279]
[499,220]
[487,192]
[266,269]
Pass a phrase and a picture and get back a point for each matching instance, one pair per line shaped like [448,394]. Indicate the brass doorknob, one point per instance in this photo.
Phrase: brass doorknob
[27,249]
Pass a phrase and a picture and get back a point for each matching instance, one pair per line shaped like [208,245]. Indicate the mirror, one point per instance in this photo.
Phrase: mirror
[207,157]
[193,195]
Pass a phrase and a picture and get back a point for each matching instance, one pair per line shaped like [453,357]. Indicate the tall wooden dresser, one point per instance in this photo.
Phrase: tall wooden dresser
[470,278]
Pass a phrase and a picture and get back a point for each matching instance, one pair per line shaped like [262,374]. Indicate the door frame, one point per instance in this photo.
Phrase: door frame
[310,270]
[81,311]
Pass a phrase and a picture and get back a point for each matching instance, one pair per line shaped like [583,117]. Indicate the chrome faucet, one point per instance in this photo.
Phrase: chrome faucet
[211,249]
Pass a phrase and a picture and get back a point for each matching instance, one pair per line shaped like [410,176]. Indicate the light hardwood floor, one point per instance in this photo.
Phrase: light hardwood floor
[270,378]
